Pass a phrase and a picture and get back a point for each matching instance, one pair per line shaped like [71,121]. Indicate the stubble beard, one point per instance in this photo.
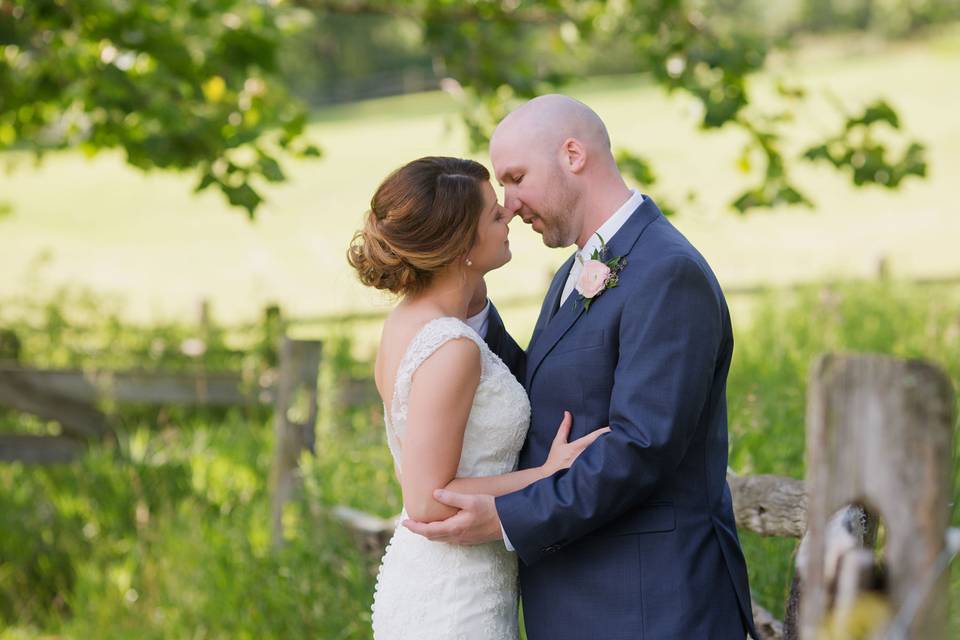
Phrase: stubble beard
[559,232]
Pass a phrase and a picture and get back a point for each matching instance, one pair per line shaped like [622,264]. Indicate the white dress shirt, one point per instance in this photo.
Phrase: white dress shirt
[607,230]
[479,322]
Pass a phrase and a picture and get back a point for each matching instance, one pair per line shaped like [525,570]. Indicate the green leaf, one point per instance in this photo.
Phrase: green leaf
[636,167]
[206,181]
[311,151]
[878,111]
[270,169]
[243,196]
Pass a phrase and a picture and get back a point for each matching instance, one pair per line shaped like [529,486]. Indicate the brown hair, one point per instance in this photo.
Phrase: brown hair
[422,218]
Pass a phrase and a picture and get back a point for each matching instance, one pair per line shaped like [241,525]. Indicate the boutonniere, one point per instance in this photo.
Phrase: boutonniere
[599,274]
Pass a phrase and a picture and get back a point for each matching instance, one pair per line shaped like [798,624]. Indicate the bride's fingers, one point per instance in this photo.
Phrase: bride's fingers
[588,439]
[563,433]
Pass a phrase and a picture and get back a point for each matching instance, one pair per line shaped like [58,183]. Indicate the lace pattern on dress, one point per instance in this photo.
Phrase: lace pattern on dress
[433,590]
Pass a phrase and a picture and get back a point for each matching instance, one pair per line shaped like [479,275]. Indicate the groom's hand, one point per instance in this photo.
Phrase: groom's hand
[476,522]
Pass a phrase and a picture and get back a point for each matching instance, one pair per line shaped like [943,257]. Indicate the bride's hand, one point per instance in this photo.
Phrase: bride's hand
[563,453]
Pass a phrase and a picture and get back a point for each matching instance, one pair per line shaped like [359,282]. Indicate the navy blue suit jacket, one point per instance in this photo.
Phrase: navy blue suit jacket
[637,539]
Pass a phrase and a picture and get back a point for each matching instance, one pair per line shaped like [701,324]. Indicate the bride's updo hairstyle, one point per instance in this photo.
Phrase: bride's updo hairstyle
[422,218]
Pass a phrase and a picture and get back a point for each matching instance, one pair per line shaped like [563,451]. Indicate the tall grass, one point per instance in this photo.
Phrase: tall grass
[167,534]
[768,385]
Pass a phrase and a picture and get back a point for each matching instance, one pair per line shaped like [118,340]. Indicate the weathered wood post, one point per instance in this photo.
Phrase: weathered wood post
[879,433]
[203,316]
[296,414]
[9,346]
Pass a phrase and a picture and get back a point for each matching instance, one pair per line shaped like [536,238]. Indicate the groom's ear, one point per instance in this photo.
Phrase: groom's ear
[573,155]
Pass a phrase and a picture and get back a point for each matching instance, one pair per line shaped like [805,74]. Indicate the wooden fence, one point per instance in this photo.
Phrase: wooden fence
[879,436]
[882,273]
[70,397]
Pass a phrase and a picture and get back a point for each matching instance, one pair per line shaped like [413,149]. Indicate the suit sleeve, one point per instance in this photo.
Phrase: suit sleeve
[502,344]
[670,336]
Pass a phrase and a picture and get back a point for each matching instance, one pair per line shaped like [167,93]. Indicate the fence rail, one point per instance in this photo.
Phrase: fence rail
[524,301]
[866,416]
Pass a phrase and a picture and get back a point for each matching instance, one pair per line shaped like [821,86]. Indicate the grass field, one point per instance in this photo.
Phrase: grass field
[149,240]
[167,536]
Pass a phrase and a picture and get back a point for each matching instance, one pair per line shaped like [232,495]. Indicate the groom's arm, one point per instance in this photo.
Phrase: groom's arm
[670,337]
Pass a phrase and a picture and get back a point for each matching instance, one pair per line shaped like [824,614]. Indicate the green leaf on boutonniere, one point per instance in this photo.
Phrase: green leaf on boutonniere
[598,253]
[615,264]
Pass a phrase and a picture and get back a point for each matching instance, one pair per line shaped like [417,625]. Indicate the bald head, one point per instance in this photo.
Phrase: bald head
[546,121]
[552,155]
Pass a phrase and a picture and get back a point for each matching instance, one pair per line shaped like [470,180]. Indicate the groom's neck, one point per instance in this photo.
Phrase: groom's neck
[602,202]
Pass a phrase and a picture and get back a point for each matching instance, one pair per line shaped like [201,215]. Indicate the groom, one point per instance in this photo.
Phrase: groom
[637,539]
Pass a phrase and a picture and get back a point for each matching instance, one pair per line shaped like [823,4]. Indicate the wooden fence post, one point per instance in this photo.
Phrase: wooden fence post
[9,346]
[295,416]
[879,433]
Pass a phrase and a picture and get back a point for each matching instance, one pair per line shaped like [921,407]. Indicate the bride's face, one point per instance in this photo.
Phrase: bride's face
[492,246]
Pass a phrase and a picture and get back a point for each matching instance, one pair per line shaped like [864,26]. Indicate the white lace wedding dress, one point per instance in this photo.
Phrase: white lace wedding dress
[433,590]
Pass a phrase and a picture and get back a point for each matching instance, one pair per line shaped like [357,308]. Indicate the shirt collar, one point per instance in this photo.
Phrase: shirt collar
[609,228]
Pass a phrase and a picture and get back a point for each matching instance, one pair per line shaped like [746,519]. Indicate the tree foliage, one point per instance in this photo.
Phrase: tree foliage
[195,85]
[179,85]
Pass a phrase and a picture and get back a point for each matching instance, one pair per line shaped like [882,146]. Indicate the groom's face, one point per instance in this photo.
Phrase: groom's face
[535,189]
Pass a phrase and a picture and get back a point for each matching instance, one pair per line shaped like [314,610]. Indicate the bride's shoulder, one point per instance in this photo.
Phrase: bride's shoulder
[431,343]
[408,327]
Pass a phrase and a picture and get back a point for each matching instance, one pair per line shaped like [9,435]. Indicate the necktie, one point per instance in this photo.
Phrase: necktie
[571,279]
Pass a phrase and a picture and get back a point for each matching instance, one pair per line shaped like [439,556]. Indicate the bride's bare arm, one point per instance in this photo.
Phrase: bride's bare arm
[561,456]
[441,396]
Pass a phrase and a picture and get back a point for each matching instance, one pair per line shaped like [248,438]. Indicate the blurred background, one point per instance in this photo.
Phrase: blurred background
[182,178]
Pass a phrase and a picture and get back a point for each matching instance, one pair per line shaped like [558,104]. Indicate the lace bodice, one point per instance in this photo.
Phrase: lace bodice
[500,414]
[434,590]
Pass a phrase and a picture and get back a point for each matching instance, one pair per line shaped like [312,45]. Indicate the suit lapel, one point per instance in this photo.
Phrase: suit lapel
[566,316]
[549,331]
[552,300]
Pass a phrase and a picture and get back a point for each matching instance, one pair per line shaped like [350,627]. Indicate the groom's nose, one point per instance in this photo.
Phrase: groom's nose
[511,203]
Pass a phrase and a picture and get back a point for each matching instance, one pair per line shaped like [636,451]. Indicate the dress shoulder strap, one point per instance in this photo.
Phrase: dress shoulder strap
[425,343]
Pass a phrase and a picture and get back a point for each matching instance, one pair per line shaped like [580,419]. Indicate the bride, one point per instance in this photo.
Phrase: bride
[455,416]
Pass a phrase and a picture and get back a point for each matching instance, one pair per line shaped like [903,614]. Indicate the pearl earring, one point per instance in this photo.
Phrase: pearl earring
[469,262]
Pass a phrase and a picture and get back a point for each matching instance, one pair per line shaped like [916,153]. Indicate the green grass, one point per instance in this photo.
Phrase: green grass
[768,380]
[146,238]
[167,536]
